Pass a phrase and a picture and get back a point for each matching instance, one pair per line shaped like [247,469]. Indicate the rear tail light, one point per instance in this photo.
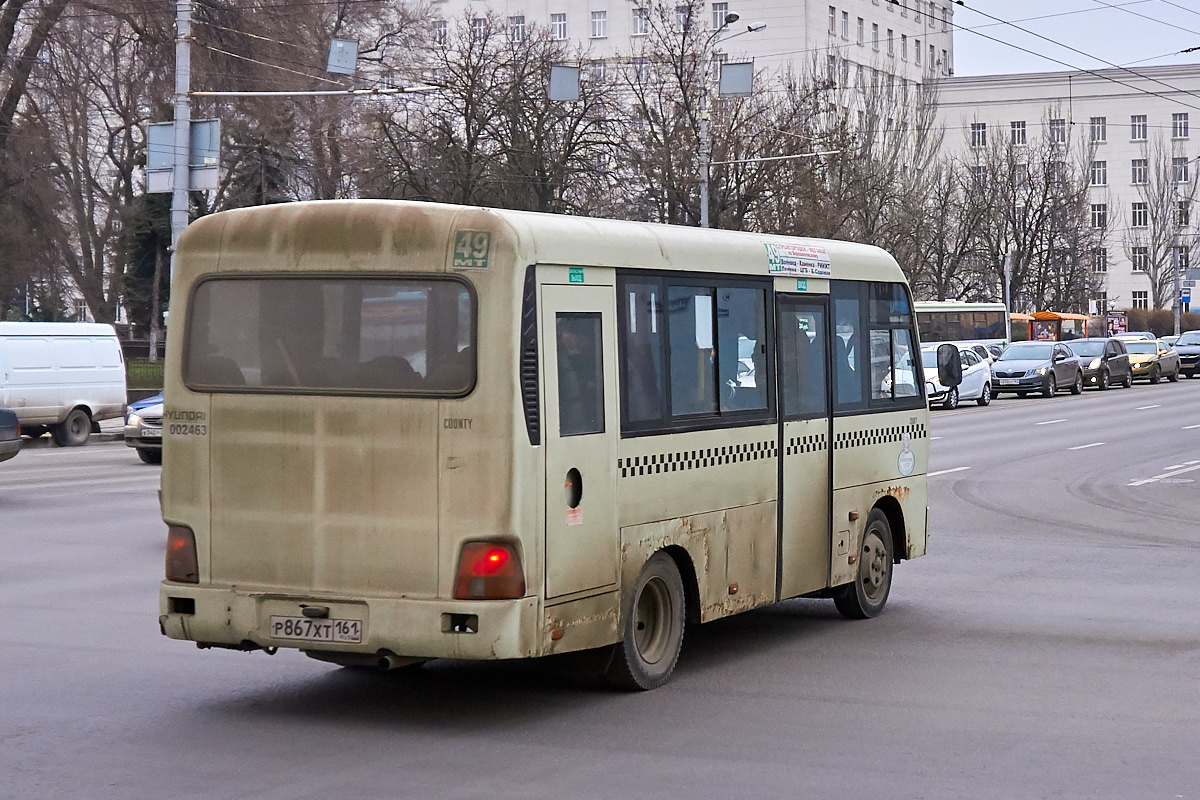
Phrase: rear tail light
[181,555]
[489,571]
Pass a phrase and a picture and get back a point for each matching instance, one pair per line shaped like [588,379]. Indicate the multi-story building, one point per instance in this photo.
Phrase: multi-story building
[910,39]
[1135,129]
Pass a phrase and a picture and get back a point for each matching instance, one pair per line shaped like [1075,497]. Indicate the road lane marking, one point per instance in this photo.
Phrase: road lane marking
[1086,446]
[1146,408]
[1190,427]
[932,438]
[1049,422]
[946,471]
[1171,474]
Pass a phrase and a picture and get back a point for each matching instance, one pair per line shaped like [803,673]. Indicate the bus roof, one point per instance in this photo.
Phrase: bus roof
[300,236]
[953,305]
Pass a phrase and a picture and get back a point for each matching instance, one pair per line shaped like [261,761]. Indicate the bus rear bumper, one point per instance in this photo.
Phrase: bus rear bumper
[407,628]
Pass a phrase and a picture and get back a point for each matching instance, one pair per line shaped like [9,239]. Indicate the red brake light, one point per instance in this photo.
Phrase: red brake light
[181,555]
[489,571]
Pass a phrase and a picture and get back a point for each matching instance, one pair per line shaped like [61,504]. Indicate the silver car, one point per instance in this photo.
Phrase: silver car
[1044,367]
[143,432]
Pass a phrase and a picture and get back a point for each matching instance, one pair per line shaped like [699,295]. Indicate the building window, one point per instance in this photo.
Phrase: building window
[904,8]
[1098,128]
[1179,169]
[978,134]
[875,35]
[1099,260]
[441,31]
[1101,302]
[1140,216]
[946,68]
[641,22]
[1141,300]
[860,30]
[1099,173]
[719,12]
[641,69]
[1179,126]
[516,28]
[1182,212]
[903,47]
[978,174]
[1140,169]
[1137,127]
[932,58]
[479,28]
[845,24]
[1140,258]
[917,51]
[1181,257]
[599,69]
[832,19]
[1018,131]
[683,18]
[891,42]
[1099,215]
[717,60]
[1058,131]
[945,18]
[599,24]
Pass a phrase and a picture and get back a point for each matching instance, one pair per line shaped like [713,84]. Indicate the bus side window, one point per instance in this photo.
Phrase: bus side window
[847,358]
[580,374]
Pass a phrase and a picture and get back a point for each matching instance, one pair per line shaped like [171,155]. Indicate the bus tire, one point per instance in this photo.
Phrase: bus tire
[646,655]
[74,430]
[867,594]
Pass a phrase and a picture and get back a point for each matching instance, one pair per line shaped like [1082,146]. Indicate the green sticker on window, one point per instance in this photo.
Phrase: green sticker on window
[575,275]
[471,249]
[801,285]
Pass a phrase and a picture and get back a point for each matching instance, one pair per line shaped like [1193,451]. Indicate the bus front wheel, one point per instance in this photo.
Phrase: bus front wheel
[653,631]
[866,595]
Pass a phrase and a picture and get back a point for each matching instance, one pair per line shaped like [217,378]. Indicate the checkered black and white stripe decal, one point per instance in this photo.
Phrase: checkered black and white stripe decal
[865,438]
[806,444]
[696,459]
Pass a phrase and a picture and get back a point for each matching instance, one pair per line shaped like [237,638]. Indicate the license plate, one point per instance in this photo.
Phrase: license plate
[151,433]
[317,630]
[1009,381]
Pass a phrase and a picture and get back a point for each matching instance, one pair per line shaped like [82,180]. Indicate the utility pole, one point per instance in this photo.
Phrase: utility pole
[183,123]
[1177,304]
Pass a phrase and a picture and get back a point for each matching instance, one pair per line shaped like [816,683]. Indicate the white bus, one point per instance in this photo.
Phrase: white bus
[950,321]
[399,431]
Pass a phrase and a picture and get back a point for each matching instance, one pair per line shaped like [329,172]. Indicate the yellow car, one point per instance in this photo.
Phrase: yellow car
[1152,360]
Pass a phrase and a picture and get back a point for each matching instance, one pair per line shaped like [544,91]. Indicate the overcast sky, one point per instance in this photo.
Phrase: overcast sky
[1126,33]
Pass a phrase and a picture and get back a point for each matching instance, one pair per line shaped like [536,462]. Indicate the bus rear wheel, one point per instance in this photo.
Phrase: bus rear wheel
[653,631]
[867,594]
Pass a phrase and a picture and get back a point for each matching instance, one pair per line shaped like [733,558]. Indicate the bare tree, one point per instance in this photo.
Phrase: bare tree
[1160,216]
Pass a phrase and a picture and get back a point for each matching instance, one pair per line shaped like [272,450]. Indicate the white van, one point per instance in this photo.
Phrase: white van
[61,377]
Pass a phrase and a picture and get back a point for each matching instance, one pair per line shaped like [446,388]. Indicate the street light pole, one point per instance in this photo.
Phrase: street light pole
[705,137]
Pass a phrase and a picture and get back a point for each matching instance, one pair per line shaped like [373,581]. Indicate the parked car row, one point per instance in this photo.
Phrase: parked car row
[1048,367]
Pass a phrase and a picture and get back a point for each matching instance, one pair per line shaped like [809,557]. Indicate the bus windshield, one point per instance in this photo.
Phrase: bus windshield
[404,336]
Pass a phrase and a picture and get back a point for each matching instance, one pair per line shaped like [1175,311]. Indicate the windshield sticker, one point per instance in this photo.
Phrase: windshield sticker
[797,259]
[471,249]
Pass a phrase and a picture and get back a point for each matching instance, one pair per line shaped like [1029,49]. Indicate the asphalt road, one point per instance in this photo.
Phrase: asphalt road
[1048,647]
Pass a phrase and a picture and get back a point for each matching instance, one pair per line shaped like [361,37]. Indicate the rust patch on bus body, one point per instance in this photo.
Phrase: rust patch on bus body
[901,493]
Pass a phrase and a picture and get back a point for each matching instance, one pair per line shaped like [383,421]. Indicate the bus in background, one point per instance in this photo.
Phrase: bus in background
[949,321]
[398,431]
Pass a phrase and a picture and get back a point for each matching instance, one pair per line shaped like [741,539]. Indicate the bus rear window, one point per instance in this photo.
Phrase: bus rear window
[332,335]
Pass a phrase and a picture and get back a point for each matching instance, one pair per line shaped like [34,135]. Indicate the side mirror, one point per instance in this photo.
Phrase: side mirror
[949,362]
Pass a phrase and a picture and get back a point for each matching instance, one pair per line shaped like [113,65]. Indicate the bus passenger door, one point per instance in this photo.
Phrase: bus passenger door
[803,352]
[578,337]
